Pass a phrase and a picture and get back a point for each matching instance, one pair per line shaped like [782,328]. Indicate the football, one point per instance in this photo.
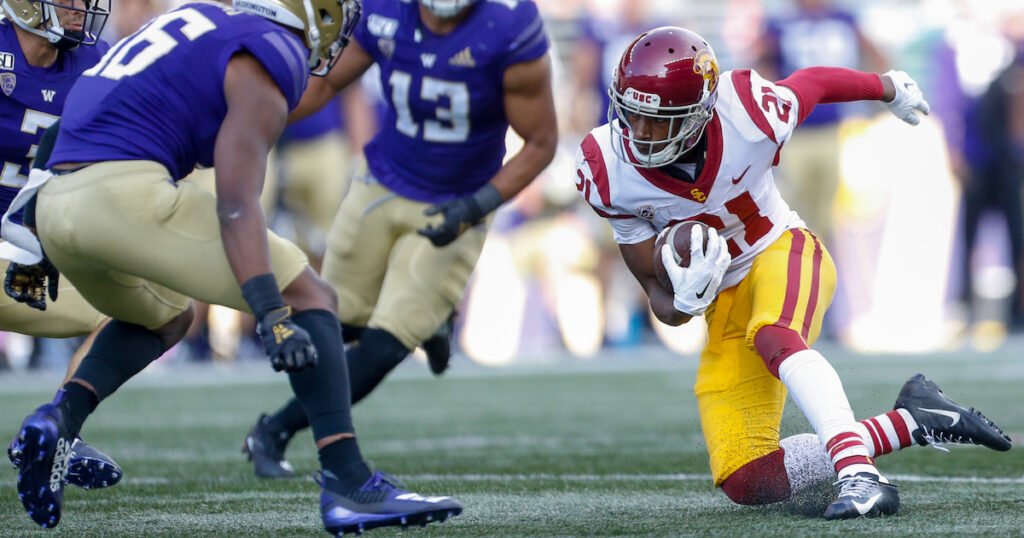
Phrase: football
[677,235]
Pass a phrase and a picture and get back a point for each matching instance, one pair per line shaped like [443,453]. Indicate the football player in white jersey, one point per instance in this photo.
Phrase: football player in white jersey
[685,142]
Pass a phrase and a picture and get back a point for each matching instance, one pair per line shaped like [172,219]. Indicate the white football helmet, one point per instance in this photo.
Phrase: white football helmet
[327,25]
[42,18]
[446,9]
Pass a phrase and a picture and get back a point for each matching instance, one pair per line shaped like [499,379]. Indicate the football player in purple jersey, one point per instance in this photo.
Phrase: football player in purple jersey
[456,75]
[41,55]
[202,85]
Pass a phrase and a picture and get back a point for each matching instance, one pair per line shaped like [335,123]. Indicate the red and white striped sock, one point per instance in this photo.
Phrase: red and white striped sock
[849,455]
[887,432]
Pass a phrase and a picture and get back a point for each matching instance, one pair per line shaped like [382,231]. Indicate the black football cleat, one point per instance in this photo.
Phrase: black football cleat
[91,469]
[44,453]
[265,449]
[864,495]
[381,502]
[439,346]
[941,420]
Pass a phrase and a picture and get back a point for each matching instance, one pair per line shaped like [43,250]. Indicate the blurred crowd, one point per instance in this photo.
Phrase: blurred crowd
[927,230]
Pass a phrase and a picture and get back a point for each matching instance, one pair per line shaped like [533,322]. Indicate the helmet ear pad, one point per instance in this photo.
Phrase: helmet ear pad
[666,73]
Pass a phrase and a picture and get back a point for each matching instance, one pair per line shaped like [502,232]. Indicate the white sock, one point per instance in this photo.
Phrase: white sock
[818,392]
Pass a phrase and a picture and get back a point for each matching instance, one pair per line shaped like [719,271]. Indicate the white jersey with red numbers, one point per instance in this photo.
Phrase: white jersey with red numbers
[734,192]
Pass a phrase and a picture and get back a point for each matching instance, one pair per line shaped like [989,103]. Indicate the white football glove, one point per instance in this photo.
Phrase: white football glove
[908,98]
[696,286]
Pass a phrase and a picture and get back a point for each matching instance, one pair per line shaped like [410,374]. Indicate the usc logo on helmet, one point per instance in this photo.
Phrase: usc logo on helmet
[704,64]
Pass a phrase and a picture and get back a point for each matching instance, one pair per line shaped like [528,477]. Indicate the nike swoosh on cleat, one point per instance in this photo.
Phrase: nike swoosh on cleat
[866,507]
[951,414]
[703,291]
[736,180]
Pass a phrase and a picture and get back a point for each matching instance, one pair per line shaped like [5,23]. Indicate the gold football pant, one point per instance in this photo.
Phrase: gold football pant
[385,274]
[70,315]
[789,285]
[137,246]
[316,176]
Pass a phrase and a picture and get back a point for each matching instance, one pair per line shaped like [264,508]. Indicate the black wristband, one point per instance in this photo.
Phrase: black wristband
[262,294]
[486,199]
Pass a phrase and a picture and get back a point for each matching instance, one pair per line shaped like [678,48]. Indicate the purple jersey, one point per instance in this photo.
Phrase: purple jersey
[33,98]
[158,95]
[443,134]
[812,38]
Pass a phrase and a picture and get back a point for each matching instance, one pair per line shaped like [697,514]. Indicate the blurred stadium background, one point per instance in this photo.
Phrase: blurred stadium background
[552,310]
[550,278]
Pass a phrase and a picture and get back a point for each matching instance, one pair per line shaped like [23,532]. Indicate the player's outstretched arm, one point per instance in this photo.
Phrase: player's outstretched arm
[638,258]
[895,89]
[354,61]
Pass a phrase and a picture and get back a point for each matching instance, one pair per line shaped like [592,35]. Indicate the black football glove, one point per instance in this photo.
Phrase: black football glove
[288,346]
[30,284]
[460,213]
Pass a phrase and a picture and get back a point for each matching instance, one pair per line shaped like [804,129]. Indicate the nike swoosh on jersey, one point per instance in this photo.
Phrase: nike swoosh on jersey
[866,507]
[736,180]
[951,414]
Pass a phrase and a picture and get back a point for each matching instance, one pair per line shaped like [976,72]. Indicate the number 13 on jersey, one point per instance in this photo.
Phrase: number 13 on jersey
[451,124]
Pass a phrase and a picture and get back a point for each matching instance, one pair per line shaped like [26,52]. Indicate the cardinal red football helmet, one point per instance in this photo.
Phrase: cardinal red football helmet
[666,73]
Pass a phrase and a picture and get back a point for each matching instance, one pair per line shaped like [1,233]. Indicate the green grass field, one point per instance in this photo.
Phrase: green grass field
[562,448]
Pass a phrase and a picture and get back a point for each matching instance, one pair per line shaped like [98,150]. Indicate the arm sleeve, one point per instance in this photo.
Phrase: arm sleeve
[817,85]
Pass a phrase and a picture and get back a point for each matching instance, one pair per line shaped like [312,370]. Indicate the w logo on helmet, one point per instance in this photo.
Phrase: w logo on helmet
[704,64]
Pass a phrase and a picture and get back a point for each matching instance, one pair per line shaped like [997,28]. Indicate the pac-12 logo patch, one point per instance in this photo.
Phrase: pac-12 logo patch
[6,61]
[7,82]
[645,211]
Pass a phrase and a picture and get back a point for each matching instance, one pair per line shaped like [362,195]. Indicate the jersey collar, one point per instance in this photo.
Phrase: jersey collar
[699,190]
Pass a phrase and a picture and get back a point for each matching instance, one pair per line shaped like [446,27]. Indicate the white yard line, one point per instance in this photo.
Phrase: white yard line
[678,477]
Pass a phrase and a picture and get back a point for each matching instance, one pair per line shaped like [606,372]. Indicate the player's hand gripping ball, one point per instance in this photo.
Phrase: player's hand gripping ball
[678,236]
[694,260]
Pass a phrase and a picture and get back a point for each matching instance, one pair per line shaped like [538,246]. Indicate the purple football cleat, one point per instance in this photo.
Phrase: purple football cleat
[380,502]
